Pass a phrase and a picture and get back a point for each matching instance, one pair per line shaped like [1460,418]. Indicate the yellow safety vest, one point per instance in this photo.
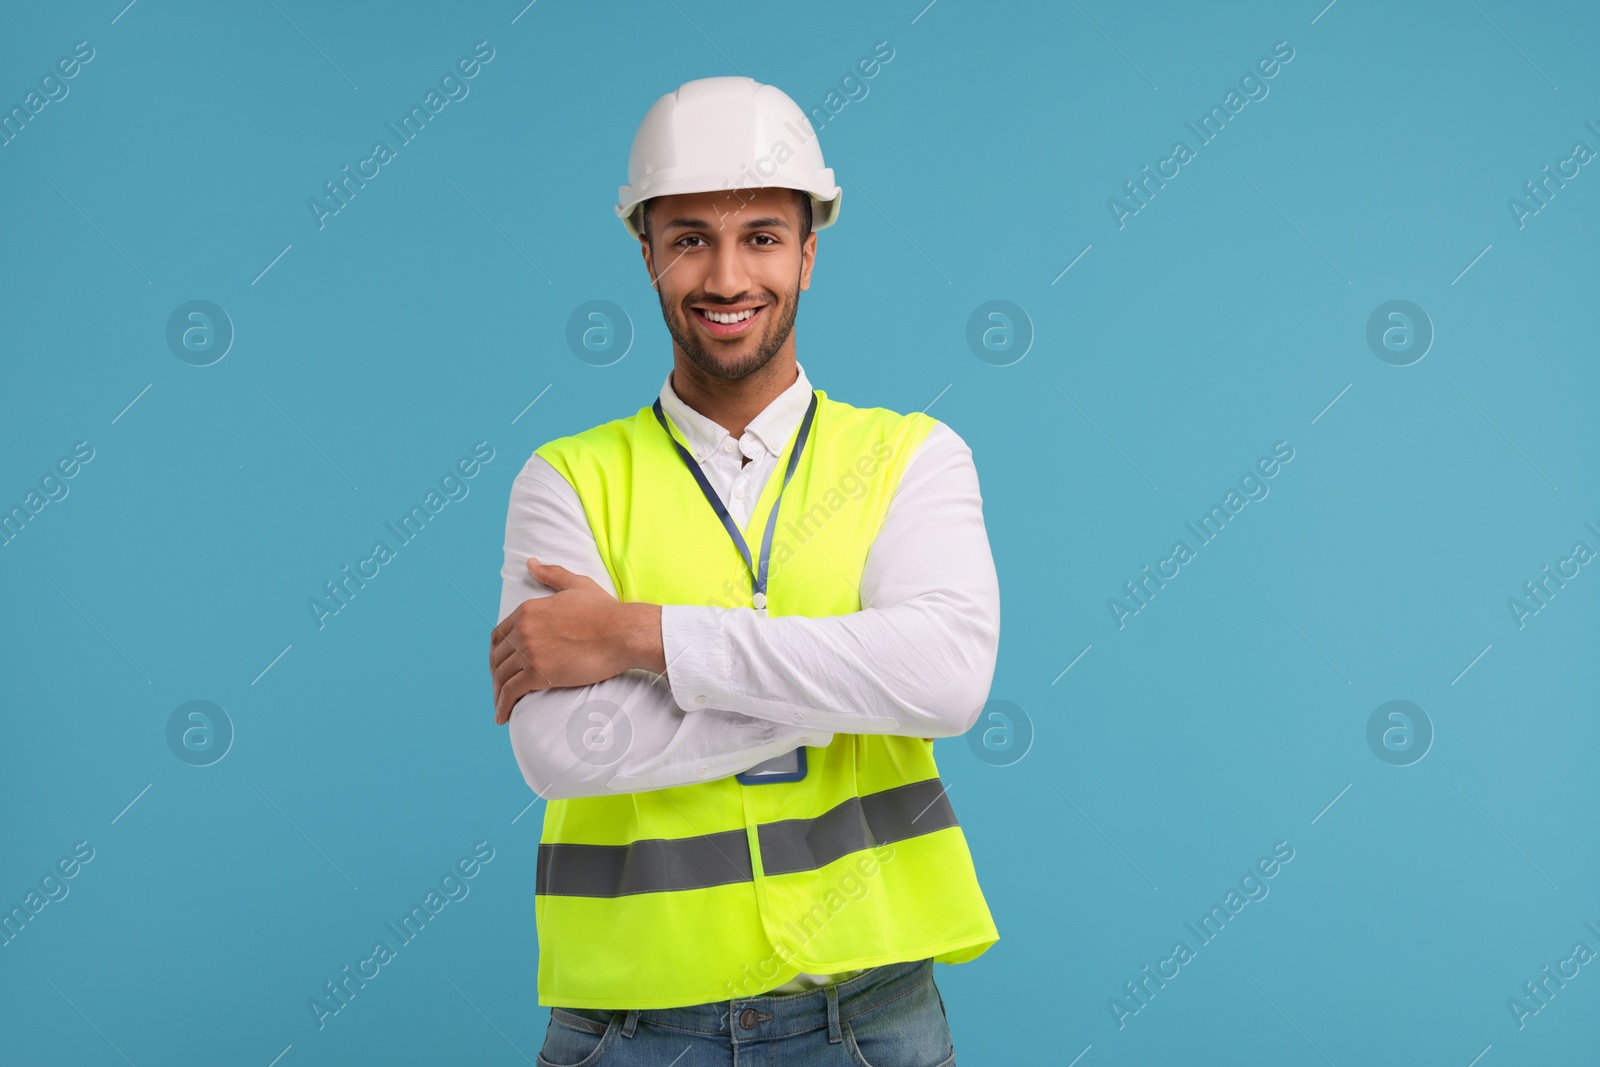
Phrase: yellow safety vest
[718,890]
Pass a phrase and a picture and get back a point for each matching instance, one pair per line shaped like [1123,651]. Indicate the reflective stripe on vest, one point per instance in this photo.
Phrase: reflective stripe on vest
[662,865]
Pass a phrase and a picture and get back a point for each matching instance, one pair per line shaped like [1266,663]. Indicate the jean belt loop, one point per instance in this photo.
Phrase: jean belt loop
[831,990]
[629,1022]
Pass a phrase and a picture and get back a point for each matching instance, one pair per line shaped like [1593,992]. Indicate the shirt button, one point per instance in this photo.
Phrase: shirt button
[702,700]
[799,716]
[701,773]
[739,492]
[729,444]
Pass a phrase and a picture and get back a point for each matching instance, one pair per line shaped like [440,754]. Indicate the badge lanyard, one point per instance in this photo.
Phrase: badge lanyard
[791,766]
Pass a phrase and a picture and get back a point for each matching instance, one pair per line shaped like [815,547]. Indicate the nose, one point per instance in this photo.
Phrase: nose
[729,277]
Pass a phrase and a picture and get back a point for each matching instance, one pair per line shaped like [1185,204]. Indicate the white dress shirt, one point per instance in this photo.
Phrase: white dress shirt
[742,687]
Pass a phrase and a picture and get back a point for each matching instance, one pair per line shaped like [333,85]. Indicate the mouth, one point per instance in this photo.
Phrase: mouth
[744,320]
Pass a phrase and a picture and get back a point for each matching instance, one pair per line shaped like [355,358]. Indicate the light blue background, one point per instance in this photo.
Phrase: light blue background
[1227,315]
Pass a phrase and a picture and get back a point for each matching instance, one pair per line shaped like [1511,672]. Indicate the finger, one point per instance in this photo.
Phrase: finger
[507,647]
[509,639]
[508,658]
[506,672]
[504,626]
[511,666]
[554,575]
[502,709]
[518,686]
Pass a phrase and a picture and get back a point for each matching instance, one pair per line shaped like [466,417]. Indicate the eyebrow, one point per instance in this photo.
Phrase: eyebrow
[769,222]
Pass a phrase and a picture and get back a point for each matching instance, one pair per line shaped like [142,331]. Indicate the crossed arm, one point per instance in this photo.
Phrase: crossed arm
[707,692]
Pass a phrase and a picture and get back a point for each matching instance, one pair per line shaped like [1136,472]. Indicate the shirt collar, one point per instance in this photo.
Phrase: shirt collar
[772,427]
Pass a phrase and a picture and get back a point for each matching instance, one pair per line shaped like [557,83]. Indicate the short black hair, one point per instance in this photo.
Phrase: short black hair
[802,196]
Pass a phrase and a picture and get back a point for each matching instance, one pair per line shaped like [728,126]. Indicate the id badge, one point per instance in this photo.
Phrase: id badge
[788,767]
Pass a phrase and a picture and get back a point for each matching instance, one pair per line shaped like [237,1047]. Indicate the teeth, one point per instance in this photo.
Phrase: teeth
[728,320]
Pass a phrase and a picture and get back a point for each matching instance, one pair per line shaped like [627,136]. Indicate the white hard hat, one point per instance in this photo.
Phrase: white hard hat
[726,133]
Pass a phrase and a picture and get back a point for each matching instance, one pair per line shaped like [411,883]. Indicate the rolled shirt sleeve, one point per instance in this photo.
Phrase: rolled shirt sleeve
[561,737]
[918,658]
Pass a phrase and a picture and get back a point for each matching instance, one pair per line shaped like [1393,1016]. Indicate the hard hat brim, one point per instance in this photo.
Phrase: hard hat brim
[825,197]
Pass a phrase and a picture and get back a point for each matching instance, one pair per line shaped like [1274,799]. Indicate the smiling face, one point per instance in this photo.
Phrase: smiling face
[729,255]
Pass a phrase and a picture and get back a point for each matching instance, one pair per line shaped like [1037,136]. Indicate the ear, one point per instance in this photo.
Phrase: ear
[808,255]
[649,261]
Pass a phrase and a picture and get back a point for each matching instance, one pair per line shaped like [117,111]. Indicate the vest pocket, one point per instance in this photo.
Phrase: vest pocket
[576,1037]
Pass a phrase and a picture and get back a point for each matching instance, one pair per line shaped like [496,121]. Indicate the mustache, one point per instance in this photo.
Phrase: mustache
[765,299]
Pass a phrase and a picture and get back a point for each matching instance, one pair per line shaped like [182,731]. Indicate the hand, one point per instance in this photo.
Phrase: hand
[577,636]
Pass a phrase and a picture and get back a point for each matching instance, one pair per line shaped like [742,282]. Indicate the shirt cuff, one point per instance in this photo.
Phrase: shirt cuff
[696,646]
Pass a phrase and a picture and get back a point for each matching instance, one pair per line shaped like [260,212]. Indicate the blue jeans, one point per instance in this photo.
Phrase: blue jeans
[889,1016]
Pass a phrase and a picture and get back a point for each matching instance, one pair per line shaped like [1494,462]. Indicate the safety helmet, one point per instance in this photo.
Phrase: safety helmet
[725,133]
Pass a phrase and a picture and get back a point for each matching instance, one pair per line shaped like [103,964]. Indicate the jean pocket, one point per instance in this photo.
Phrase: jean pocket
[909,1031]
[577,1037]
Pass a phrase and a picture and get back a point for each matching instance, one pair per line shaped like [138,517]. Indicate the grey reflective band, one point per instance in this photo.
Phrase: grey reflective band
[653,866]
[659,865]
[860,822]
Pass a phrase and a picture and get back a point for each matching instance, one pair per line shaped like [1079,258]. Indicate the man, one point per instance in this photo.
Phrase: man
[731,625]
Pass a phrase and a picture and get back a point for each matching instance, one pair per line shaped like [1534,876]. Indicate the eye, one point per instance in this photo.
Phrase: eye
[690,237]
[765,237]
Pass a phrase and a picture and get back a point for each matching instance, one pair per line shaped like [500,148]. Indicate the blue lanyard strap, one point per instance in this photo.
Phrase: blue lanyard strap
[758,576]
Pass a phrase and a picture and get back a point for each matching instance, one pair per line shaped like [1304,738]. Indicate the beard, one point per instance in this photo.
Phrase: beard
[699,349]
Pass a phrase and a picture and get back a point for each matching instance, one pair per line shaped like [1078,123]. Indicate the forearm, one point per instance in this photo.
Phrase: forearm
[641,637]
[627,735]
[921,668]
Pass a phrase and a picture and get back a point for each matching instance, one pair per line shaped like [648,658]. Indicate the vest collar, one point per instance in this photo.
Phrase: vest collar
[773,427]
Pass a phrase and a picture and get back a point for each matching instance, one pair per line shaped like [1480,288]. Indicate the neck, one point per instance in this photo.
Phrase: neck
[731,404]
